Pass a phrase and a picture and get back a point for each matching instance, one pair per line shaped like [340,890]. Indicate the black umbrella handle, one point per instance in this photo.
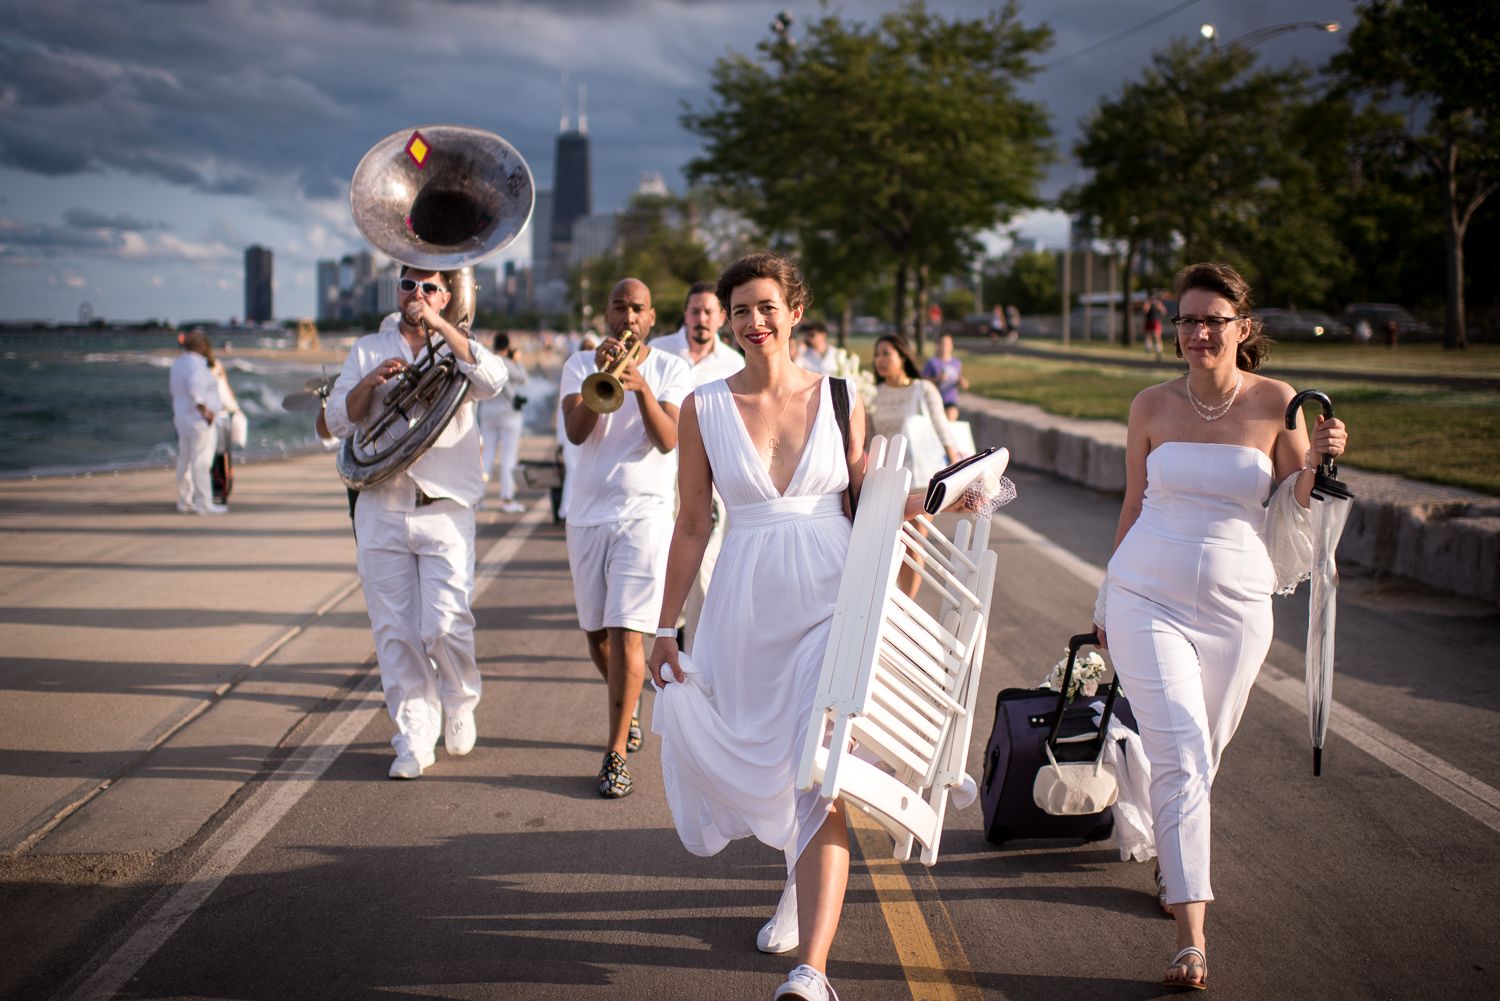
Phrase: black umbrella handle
[1326,467]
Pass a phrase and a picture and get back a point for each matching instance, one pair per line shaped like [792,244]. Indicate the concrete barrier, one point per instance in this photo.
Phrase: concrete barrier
[1445,537]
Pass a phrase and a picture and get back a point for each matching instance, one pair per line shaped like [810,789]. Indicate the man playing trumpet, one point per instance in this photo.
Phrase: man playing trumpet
[620,507]
[414,532]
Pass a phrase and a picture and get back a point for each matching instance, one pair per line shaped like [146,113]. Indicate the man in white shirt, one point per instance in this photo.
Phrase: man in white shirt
[699,344]
[620,511]
[814,356]
[414,533]
[195,404]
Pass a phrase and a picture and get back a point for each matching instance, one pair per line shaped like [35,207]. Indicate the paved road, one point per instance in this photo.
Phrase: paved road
[502,875]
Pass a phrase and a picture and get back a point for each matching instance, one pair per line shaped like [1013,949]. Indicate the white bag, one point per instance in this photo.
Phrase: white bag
[926,455]
[239,429]
[1074,788]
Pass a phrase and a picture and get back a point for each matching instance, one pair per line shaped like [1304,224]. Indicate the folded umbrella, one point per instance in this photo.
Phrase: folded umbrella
[1330,507]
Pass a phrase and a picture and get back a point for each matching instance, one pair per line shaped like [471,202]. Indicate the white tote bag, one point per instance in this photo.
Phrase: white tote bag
[1074,788]
[926,453]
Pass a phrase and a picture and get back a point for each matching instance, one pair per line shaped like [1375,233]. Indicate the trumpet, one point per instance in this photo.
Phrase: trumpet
[602,391]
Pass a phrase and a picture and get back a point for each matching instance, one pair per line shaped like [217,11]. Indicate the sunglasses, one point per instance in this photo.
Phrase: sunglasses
[429,288]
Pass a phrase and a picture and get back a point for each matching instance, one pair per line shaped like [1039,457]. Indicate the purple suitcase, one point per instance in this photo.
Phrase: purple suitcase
[1026,719]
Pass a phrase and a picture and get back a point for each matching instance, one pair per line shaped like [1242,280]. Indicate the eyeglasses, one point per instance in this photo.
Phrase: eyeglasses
[410,285]
[1215,324]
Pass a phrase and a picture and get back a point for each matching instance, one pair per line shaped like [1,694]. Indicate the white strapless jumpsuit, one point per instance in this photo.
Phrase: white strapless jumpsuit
[1188,617]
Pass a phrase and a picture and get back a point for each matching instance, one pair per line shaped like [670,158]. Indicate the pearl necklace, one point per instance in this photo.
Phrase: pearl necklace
[1213,413]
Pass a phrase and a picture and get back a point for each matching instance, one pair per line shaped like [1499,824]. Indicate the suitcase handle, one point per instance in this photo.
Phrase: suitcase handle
[1076,644]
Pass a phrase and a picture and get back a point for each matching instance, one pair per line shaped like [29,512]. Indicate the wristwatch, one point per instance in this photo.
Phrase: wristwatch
[666,632]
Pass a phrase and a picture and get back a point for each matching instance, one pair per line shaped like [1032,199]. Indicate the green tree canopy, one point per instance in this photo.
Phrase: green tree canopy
[1438,62]
[871,150]
[1210,154]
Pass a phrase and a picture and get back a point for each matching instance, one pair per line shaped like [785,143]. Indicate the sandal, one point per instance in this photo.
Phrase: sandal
[1188,964]
[614,777]
[1161,893]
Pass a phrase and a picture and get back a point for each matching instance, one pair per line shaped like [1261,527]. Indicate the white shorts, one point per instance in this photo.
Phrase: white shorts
[619,572]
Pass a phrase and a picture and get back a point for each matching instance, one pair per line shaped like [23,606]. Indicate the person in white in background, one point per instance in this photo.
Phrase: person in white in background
[195,404]
[230,430]
[500,425]
[698,343]
[414,533]
[620,511]
[588,342]
[814,356]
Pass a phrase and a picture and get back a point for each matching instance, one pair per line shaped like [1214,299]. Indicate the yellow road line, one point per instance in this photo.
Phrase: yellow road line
[933,959]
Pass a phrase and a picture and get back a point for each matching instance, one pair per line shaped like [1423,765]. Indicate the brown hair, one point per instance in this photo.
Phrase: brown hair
[197,342]
[697,288]
[1222,279]
[908,360]
[765,265]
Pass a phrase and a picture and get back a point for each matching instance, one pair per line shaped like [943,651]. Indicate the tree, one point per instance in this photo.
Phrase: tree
[657,241]
[882,149]
[1209,153]
[1442,62]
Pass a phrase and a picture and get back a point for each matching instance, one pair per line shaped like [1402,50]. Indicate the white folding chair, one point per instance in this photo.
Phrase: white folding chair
[898,684]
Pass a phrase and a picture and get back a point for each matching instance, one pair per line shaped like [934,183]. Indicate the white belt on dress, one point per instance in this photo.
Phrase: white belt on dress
[783,509]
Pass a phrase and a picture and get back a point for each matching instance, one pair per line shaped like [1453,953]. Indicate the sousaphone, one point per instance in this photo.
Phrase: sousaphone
[436,198]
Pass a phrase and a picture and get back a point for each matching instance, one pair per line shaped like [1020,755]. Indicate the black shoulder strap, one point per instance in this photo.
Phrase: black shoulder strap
[838,391]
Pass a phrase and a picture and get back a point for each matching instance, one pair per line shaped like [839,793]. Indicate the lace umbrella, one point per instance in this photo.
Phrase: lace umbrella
[1331,503]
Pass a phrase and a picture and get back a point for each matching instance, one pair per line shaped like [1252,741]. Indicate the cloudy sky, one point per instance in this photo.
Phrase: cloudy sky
[145,143]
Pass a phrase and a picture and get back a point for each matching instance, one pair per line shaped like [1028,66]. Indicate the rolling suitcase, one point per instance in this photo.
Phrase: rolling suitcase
[1025,720]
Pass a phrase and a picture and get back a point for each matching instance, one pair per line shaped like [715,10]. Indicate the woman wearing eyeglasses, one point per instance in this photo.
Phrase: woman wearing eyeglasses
[414,533]
[1186,605]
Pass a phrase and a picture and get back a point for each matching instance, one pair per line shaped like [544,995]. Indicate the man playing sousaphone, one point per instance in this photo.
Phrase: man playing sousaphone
[414,532]
[620,504]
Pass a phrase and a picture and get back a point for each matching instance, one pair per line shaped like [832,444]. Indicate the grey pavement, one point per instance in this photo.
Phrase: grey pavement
[259,852]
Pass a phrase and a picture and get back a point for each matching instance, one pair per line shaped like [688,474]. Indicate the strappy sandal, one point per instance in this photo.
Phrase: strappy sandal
[1161,894]
[1188,965]
[614,777]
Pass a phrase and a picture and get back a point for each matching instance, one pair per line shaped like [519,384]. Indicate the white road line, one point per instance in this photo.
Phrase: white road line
[265,808]
[1457,787]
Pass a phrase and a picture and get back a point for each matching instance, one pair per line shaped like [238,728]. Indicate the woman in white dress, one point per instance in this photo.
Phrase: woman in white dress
[732,726]
[1186,605]
[907,404]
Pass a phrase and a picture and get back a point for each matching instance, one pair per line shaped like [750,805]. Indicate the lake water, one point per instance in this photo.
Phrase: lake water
[86,401]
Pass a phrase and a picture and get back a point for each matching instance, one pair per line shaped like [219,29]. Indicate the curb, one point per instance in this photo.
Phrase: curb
[1444,537]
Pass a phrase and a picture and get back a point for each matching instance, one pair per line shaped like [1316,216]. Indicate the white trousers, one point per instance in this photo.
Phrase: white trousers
[1188,678]
[196,439]
[417,569]
[503,440]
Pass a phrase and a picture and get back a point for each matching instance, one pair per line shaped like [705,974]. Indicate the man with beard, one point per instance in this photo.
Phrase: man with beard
[414,533]
[699,344]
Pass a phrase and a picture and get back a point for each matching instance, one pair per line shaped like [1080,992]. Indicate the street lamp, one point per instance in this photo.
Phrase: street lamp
[1251,39]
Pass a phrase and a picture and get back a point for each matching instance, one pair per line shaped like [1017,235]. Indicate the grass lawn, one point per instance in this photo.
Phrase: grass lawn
[1423,433]
[1417,359]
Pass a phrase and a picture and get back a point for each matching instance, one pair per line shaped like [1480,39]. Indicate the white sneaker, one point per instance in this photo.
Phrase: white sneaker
[459,735]
[183,507]
[780,934]
[512,507]
[408,765]
[212,508]
[806,983]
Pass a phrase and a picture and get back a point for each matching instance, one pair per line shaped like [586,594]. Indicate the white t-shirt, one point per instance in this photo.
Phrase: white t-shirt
[619,474]
[192,382]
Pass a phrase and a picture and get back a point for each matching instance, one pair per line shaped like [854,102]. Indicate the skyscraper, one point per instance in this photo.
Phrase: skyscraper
[257,284]
[328,290]
[572,189]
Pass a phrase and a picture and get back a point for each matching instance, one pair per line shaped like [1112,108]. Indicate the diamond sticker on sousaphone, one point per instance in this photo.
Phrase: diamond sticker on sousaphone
[417,149]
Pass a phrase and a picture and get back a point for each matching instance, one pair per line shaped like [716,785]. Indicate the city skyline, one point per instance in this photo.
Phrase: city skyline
[141,155]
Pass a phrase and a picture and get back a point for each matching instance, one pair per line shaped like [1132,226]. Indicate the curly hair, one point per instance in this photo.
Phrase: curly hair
[765,265]
[1224,280]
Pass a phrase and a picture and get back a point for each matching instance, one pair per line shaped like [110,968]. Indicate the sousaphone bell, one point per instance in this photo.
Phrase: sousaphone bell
[436,198]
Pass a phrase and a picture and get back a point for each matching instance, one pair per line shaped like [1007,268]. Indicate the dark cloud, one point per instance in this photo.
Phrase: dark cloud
[81,218]
[281,96]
